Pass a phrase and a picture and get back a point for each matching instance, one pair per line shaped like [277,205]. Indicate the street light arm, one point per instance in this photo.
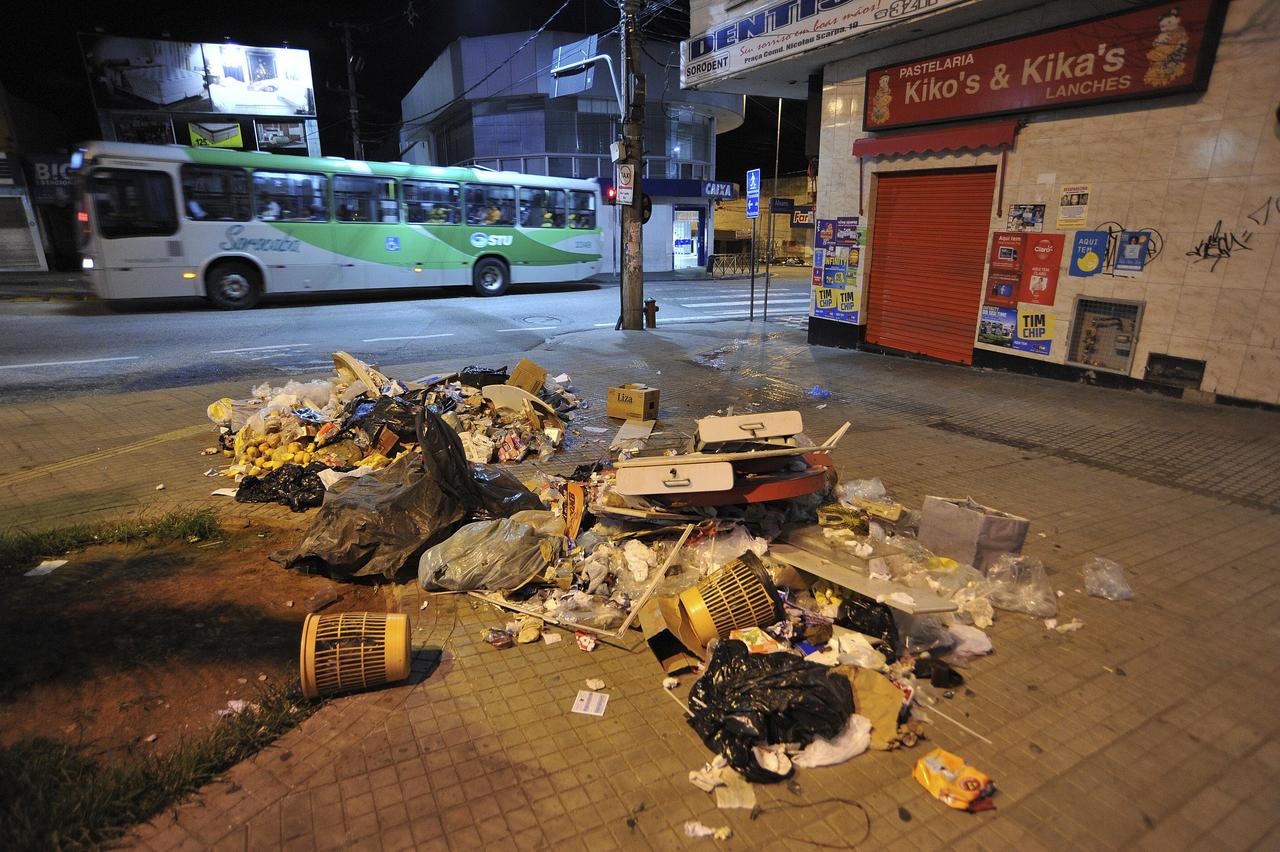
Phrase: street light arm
[583,65]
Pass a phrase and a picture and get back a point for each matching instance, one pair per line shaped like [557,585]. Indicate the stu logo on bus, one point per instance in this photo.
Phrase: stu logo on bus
[235,242]
[480,240]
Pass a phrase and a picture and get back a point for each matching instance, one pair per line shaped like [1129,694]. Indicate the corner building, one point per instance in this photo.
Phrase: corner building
[1092,185]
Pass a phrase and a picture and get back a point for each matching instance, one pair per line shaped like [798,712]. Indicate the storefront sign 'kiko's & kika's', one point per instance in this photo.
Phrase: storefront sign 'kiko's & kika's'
[1154,51]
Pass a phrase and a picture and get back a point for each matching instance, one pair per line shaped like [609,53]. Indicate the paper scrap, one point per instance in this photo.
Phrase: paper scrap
[737,792]
[597,430]
[632,434]
[45,567]
[693,828]
[595,683]
[590,703]
[551,638]
[223,492]
[562,379]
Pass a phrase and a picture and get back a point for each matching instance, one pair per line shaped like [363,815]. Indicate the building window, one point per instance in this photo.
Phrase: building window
[134,203]
[582,209]
[365,199]
[213,192]
[491,205]
[542,208]
[291,197]
[431,202]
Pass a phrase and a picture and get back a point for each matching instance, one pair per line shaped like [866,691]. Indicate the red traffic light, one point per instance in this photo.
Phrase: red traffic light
[611,194]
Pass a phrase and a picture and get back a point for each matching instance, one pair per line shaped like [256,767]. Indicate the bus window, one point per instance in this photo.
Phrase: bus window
[212,192]
[491,205]
[133,203]
[429,202]
[365,199]
[582,209]
[290,197]
[542,208]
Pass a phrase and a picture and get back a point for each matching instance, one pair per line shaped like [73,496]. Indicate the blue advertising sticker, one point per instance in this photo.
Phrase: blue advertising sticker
[1088,251]
[1131,254]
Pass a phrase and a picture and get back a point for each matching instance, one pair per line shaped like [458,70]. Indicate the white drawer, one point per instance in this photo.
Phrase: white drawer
[745,427]
[674,479]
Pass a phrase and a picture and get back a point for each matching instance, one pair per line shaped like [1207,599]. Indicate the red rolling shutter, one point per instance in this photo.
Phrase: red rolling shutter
[928,248]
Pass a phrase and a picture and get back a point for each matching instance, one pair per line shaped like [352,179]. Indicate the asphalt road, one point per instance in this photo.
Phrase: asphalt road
[61,348]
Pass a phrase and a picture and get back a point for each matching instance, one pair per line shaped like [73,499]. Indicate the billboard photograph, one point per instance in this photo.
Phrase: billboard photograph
[179,76]
[135,73]
[147,128]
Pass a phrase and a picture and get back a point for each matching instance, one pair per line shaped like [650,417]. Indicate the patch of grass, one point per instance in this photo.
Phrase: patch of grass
[21,549]
[57,796]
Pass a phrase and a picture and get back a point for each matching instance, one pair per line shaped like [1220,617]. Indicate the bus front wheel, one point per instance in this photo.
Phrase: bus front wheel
[490,277]
[233,285]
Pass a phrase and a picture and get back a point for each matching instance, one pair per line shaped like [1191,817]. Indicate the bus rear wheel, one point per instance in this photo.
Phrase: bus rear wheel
[233,285]
[490,277]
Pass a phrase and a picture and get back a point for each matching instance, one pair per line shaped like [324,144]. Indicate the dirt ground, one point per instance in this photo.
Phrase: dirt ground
[130,641]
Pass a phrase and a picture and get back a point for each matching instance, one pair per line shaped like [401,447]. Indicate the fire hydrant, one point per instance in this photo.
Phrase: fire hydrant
[650,313]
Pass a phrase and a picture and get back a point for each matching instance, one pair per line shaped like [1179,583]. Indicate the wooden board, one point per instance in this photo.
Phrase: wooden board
[878,590]
[650,461]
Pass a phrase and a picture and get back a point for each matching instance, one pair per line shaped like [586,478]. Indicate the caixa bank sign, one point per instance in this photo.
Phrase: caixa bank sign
[783,28]
[480,240]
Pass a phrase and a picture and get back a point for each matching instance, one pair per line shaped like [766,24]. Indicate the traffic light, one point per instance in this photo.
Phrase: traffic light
[611,195]
[646,208]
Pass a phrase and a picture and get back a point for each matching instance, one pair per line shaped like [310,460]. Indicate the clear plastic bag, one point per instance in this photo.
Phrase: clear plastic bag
[1020,584]
[921,633]
[721,549]
[1105,579]
[866,489]
[494,555]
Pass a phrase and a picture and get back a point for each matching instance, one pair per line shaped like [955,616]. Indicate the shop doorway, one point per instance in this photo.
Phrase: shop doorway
[686,238]
[928,247]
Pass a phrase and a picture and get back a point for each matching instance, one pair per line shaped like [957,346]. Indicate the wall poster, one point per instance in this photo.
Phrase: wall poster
[1131,254]
[1073,205]
[837,269]
[1022,284]
[1087,253]
[1026,217]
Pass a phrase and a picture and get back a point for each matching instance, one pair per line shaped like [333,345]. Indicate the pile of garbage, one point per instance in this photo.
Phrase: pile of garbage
[820,624]
[289,444]
[822,619]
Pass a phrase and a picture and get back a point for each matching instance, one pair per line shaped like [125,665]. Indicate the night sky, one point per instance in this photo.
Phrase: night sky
[40,58]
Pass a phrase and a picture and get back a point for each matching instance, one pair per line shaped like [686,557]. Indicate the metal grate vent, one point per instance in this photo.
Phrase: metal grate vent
[1104,333]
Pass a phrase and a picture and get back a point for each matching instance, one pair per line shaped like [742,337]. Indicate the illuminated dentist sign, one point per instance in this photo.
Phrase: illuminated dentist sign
[786,28]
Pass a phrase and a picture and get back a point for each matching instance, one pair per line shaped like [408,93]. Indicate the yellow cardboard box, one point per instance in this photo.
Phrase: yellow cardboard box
[633,402]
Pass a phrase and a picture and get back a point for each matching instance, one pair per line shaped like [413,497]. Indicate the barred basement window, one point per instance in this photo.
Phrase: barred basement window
[1104,333]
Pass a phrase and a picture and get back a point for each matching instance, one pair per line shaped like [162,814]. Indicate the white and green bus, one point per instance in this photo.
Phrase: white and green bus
[232,226]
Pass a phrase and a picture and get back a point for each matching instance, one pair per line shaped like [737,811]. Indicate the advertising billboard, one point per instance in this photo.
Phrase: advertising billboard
[178,76]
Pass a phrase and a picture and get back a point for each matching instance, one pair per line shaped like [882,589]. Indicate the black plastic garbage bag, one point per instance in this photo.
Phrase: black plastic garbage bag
[478,377]
[871,618]
[289,485]
[746,700]
[375,524]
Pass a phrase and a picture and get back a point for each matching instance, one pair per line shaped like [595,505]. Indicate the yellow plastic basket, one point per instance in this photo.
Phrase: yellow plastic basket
[738,595]
[353,650]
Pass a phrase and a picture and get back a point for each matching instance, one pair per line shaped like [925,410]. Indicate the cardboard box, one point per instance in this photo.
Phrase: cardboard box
[969,532]
[633,402]
[669,635]
[528,376]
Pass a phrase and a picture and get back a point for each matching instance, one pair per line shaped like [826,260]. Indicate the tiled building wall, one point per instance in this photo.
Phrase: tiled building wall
[1179,165]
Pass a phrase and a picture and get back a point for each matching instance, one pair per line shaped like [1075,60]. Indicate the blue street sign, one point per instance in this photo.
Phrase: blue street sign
[753,194]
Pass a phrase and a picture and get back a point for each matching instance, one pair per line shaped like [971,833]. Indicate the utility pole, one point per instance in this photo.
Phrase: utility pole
[768,249]
[633,86]
[357,148]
